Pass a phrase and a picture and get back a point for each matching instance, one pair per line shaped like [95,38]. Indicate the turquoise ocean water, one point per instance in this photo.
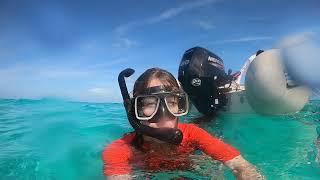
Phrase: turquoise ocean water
[55,139]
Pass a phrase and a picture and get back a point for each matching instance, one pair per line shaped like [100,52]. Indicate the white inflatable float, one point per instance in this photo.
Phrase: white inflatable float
[267,88]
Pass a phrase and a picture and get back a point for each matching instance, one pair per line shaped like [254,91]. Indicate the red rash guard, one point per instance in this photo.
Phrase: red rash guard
[119,156]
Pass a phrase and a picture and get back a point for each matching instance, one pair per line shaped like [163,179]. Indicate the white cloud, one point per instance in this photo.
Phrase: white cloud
[171,12]
[100,94]
[205,25]
[43,72]
[92,44]
[99,91]
[63,73]
[126,27]
[34,81]
[165,15]
[244,39]
[107,64]
[124,43]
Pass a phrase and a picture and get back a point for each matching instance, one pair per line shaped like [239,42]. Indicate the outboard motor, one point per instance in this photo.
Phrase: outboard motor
[203,78]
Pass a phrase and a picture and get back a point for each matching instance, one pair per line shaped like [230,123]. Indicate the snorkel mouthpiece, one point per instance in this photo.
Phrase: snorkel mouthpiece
[170,135]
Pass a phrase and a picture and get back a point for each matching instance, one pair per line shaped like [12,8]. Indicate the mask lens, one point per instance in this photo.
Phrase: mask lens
[177,104]
[146,107]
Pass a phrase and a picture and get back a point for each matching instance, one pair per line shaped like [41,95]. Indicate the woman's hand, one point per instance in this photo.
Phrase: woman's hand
[243,170]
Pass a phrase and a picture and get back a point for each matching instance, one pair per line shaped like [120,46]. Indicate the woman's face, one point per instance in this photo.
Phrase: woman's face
[166,121]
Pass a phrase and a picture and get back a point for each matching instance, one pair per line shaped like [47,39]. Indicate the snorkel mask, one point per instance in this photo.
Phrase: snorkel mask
[157,102]
[151,105]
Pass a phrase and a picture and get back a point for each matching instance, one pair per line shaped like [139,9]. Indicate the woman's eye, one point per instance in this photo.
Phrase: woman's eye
[150,104]
[172,103]
[172,100]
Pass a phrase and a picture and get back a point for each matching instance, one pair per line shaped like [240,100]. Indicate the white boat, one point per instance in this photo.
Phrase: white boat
[263,86]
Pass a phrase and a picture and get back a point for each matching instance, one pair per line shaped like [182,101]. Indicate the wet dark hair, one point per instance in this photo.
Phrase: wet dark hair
[145,78]
[167,79]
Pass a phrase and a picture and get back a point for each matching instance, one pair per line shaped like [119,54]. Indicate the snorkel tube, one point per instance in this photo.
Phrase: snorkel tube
[170,135]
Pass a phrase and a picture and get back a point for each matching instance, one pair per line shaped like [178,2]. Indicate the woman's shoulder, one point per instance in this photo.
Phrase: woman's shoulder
[187,126]
[189,130]
[119,147]
[126,139]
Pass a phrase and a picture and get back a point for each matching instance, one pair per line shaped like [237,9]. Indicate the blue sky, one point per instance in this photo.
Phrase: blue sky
[75,49]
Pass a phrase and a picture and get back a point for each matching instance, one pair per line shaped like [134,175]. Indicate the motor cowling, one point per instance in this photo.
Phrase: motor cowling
[202,76]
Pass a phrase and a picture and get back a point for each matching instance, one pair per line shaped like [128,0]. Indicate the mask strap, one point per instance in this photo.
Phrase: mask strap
[178,82]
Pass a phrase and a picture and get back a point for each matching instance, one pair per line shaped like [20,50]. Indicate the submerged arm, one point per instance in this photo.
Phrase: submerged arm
[242,169]
[225,153]
[119,177]
[116,159]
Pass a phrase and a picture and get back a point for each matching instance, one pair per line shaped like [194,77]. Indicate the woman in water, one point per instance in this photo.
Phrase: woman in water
[160,142]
